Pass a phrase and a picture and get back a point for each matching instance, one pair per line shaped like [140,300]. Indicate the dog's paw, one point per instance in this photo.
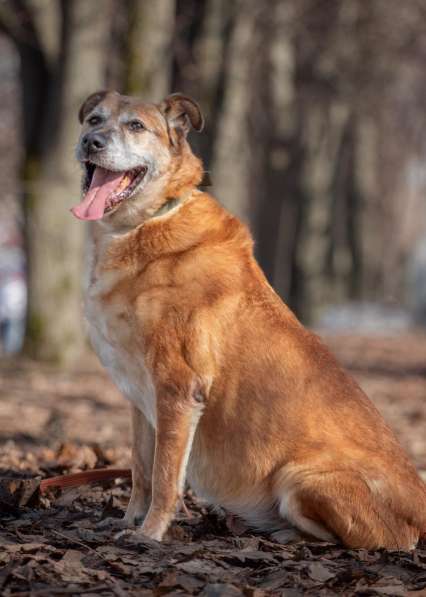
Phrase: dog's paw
[129,537]
[113,524]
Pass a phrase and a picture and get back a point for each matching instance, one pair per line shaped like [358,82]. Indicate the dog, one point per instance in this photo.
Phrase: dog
[228,390]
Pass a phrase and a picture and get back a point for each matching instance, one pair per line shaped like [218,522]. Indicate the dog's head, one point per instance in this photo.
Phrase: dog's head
[134,154]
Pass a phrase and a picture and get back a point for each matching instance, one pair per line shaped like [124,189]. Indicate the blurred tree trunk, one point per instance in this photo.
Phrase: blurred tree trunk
[323,128]
[149,67]
[323,258]
[210,54]
[279,195]
[233,147]
[54,85]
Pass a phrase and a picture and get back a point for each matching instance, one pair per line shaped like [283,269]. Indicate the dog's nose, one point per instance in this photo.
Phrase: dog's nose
[94,142]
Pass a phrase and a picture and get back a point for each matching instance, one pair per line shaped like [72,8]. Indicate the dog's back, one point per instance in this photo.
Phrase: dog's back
[285,430]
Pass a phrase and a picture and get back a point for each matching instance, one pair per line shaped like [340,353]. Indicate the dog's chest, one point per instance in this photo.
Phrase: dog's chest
[119,344]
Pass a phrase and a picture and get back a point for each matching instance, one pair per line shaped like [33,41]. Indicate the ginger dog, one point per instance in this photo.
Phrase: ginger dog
[228,390]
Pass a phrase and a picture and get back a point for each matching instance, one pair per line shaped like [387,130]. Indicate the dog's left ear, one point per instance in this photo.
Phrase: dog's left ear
[182,113]
[89,103]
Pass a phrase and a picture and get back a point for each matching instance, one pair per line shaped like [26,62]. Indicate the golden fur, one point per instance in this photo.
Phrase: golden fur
[240,398]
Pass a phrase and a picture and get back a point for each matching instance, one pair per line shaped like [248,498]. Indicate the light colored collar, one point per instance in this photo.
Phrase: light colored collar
[171,203]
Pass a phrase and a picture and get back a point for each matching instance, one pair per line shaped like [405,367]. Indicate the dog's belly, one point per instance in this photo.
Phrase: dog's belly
[126,367]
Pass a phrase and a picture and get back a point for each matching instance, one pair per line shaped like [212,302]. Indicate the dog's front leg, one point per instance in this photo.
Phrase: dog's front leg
[178,413]
[143,442]
[142,461]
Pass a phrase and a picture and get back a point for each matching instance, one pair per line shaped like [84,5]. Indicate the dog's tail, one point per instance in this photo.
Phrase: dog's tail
[85,477]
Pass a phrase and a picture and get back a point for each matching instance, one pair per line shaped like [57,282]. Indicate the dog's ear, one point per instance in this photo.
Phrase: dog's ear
[182,113]
[89,103]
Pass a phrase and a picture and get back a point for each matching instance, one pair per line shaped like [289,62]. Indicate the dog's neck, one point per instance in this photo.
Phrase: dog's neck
[173,202]
[197,219]
[186,177]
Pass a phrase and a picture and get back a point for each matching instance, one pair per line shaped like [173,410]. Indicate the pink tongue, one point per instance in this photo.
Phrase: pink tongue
[104,182]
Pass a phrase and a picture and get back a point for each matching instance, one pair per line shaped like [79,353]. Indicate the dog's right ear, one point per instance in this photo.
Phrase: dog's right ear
[89,103]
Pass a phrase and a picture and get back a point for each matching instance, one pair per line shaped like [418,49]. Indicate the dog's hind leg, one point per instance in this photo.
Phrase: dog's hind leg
[340,506]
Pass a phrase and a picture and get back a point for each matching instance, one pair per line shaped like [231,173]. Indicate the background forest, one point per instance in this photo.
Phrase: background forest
[315,136]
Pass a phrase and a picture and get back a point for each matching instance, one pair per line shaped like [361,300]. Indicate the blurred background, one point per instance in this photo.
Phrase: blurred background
[315,136]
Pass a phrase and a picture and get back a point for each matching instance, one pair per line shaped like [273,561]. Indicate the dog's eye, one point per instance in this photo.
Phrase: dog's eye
[93,120]
[136,125]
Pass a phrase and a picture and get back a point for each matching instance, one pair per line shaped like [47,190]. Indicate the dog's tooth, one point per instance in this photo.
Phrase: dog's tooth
[124,183]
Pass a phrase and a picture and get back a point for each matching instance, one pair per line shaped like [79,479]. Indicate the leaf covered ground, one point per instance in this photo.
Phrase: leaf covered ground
[53,422]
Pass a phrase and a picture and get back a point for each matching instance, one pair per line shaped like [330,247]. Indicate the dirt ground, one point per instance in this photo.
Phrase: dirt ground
[52,423]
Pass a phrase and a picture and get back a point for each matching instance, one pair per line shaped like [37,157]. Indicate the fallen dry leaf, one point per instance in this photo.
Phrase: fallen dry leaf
[317,571]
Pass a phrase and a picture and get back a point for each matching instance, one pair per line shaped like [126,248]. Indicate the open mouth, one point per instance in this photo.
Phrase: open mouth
[104,190]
